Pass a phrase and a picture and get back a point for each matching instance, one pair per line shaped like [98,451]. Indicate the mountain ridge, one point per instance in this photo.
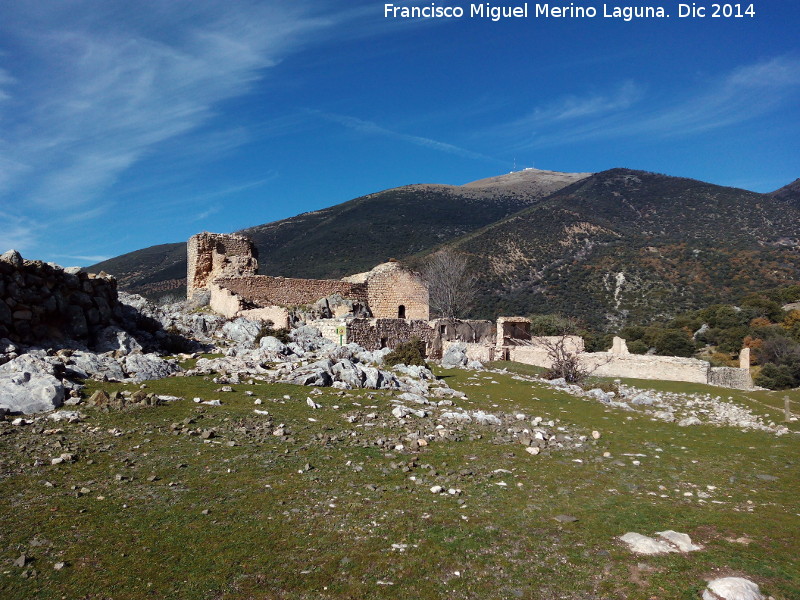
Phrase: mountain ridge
[612,247]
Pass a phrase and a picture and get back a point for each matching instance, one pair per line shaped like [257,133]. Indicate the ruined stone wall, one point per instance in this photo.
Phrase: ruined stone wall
[262,290]
[468,331]
[374,334]
[278,315]
[475,351]
[394,292]
[731,377]
[213,255]
[41,301]
[638,366]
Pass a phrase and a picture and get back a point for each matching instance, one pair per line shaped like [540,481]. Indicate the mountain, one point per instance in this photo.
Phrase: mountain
[789,193]
[615,247]
[354,236]
[629,246]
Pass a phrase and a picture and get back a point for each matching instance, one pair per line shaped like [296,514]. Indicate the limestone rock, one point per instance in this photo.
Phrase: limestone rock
[680,540]
[144,367]
[28,385]
[95,366]
[455,356]
[641,544]
[241,330]
[732,588]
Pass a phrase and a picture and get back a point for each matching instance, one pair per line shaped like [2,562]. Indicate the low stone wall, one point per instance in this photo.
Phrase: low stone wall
[731,377]
[638,366]
[632,366]
[284,291]
[374,334]
[278,315]
[41,301]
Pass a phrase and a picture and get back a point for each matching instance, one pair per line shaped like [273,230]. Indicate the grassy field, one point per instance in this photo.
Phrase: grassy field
[187,500]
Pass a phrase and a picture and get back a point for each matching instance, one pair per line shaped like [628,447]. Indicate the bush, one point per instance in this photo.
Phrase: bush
[638,347]
[550,325]
[777,377]
[411,352]
[674,342]
[282,334]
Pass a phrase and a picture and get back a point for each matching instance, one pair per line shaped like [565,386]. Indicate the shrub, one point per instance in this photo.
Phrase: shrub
[776,377]
[267,330]
[411,352]
[638,347]
[674,342]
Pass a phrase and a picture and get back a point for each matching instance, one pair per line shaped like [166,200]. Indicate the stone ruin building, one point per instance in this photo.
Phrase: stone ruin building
[222,272]
[389,305]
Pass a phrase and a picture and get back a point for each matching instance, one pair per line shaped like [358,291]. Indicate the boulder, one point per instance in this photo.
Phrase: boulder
[642,544]
[28,385]
[114,339]
[144,367]
[272,345]
[345,371]
[732,588]
[242,331]
[88,365]
[455,356]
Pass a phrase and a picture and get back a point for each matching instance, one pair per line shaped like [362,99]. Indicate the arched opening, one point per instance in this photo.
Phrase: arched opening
[401,312]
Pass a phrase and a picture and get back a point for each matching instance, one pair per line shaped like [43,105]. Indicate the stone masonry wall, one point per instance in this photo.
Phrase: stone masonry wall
[283,291]
[731,377]
[213,255]
[390,287]
[41,301]
[374,334]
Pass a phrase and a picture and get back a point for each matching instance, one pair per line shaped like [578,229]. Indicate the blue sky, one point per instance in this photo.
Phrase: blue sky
[128,124]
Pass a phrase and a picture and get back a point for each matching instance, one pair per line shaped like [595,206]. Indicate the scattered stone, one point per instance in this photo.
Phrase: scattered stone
[565,518]
[21,561]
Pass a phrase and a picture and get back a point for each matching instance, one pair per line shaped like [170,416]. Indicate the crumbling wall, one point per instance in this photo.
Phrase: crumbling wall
[262,290]
[210,256]
[731,377]
[394,292]
[512,330]
[468,331]
[642,366]
[41,301]
[374,334]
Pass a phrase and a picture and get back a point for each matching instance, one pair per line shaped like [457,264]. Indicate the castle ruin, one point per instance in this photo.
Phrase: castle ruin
[388,305]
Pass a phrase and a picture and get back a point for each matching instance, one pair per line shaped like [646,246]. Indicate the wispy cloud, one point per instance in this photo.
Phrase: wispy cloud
[742,95]
[92,258]
[112,87]
[371,128]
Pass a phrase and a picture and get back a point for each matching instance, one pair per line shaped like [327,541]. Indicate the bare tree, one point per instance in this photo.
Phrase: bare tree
[451,283]
[565,359]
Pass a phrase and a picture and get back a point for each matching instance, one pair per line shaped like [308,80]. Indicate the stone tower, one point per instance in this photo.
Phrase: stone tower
[213,255]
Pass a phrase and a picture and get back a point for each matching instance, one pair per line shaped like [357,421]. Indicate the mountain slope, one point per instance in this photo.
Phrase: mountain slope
[632,246]
[355,236]
[789,193]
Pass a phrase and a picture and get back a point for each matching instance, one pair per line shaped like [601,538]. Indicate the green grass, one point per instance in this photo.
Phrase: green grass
[277,530]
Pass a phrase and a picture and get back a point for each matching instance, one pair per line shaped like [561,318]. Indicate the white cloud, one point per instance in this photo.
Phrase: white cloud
[370,128]
[110,87]
[742,95]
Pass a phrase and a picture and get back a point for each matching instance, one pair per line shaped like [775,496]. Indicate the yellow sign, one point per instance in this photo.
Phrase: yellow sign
[341,330]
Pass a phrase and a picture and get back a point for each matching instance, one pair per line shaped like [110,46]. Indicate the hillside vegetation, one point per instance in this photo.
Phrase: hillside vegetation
[615,248]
